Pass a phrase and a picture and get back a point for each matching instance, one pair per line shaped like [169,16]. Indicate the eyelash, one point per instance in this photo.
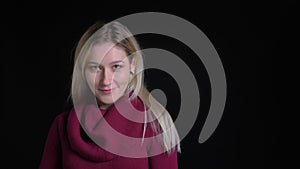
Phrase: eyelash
[94,68]
[115,67]
[97,68]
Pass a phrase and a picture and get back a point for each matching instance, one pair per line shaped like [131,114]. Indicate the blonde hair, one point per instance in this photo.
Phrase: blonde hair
[116,33]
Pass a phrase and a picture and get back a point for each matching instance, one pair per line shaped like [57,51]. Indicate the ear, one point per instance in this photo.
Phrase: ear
[133,64]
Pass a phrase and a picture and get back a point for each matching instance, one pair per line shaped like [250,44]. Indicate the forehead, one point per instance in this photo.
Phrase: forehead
[106,53]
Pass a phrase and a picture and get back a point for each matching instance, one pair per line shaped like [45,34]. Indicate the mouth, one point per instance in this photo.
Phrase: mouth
[105,91]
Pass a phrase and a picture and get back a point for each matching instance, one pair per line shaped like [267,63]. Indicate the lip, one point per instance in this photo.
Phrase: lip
[106,91]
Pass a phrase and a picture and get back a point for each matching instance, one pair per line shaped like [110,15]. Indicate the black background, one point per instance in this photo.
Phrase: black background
[36,67]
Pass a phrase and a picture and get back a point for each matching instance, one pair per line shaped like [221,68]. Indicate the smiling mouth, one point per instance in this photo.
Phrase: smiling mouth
[105,91]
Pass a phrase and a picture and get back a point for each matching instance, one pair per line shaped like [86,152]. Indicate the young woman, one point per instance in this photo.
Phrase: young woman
[114,122]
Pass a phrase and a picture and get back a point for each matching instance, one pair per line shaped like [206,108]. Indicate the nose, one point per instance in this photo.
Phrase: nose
[106,77]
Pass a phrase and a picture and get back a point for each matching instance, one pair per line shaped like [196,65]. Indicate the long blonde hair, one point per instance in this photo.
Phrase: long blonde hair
[115,32]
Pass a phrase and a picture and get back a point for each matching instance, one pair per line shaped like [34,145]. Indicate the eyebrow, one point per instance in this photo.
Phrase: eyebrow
[114,62]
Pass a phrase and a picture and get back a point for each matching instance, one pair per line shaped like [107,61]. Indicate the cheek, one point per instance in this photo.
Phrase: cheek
[90,79]
[122,78]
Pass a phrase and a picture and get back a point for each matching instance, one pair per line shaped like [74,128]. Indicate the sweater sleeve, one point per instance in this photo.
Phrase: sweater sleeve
[51,158]
[164,161]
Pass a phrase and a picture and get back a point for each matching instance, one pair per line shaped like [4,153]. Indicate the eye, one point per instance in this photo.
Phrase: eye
[116,67]
[94,68]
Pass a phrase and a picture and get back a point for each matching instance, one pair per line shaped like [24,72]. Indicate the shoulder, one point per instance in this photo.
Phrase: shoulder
[61,119]
[153,128]
[58,126]
[62,116]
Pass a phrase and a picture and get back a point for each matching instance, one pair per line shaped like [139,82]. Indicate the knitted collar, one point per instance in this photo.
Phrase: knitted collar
[124,119]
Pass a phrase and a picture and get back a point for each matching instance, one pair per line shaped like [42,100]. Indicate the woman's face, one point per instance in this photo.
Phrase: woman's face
[108,73]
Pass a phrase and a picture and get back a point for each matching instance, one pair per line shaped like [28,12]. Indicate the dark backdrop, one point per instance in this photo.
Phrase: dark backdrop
[37,64]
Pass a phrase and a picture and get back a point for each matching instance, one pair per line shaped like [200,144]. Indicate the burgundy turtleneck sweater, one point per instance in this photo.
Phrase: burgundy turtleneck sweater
[68,147]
